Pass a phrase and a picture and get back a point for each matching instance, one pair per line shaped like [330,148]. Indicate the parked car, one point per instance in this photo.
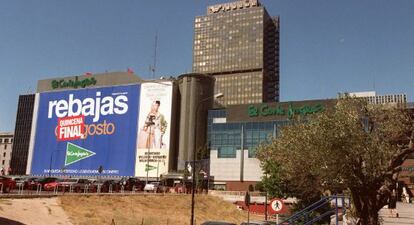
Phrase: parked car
[179,188]
[20,181]
[31,183]
[107,185]
[6,184]
[217,223]
[66,184]
[52,185]
[46,180]
[83,184]
[155,187]
[130,183]
[151,187]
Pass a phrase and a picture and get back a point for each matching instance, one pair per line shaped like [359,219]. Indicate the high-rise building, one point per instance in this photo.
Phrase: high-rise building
[6,145]
[22,134]
[238,44]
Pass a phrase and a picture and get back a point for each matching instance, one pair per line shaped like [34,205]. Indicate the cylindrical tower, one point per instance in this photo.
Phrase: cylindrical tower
[192,89]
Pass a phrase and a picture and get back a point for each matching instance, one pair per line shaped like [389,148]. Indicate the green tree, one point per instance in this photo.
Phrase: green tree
[354,146]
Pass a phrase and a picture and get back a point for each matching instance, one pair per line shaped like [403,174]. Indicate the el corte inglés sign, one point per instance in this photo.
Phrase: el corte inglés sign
[73,83]
[290,111]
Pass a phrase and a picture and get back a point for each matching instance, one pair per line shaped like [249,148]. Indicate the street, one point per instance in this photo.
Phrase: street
[406,215]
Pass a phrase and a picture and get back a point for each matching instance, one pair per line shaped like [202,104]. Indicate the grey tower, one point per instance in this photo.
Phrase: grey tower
[193,88]
[238,44]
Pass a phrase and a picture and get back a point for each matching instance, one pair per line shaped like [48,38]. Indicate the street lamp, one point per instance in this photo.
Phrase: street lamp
[216,96]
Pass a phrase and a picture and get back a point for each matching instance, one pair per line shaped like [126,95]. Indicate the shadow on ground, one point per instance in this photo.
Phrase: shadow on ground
[5,221]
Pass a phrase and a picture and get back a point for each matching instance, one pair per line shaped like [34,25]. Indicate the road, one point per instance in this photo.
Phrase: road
[406,215]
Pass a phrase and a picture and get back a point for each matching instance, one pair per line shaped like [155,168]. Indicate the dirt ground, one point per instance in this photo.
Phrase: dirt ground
[118,210]
[148,210]
[37,211]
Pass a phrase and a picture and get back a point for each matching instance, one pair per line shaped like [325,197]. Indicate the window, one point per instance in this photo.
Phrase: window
[6,140]
[3,162]
[227,152]
[1,140]
[4,154]
[5,146]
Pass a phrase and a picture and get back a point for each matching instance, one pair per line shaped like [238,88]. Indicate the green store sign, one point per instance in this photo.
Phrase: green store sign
[290,111]
[74,83]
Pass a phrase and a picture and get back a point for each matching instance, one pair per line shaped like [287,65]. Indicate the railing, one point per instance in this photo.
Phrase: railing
[304,215]
[236,193]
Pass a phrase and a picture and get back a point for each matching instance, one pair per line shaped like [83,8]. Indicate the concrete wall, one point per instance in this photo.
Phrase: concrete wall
[192,89]
[238,174]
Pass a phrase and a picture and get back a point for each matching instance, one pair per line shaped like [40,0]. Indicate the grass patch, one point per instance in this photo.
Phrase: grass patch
[155,210]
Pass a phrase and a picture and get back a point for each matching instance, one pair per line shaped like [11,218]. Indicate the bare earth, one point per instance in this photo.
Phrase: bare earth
[37,211]
[118,210]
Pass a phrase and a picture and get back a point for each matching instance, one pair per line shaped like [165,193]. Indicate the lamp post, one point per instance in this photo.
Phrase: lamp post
[216,96]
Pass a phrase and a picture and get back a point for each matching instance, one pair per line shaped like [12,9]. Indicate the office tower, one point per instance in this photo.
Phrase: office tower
[238,44]
[22,134]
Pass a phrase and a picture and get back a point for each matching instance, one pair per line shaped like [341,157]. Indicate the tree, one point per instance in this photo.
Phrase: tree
[353,146]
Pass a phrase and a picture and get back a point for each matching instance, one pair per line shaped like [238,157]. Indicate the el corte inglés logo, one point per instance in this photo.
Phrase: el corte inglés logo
[290,112]
[76,153]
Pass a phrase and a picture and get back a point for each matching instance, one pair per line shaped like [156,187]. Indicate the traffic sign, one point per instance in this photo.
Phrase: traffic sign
[276,205]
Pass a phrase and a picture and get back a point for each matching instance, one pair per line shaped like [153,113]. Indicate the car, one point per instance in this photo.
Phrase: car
[83,185]
[52,185]
[217,223]
[67,184]
[46,180]
[6,184]
[31,183]
[151,187]
[179,188]
[130,183]
[155,187]
[108,185]
[20,181]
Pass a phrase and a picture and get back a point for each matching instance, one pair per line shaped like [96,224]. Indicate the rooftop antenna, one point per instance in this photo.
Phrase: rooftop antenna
[154,65]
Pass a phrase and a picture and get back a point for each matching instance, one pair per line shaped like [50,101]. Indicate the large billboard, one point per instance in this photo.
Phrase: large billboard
[80,131]
[154,126]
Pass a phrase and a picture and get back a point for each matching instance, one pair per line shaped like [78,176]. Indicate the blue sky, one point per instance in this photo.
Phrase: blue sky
[327,46]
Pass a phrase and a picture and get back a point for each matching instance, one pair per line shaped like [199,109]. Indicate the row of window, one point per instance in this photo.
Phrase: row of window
[6,140]
[226,137]
[240,13]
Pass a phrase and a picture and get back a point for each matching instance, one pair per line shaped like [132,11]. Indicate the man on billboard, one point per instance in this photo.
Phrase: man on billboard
[154,128]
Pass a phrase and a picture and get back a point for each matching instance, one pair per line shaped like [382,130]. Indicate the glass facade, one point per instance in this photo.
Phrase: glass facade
[241,49]
[226,137]
[22,134]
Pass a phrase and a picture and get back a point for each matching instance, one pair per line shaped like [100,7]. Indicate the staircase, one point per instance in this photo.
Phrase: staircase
[336,204]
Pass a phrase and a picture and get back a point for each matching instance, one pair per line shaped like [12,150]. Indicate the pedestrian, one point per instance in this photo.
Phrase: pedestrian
[392,204]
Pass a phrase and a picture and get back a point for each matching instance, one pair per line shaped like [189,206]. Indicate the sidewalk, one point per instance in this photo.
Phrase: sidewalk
[406,215]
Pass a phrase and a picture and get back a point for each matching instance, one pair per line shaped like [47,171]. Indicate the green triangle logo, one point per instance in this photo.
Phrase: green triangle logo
[76,153]
[149,167]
